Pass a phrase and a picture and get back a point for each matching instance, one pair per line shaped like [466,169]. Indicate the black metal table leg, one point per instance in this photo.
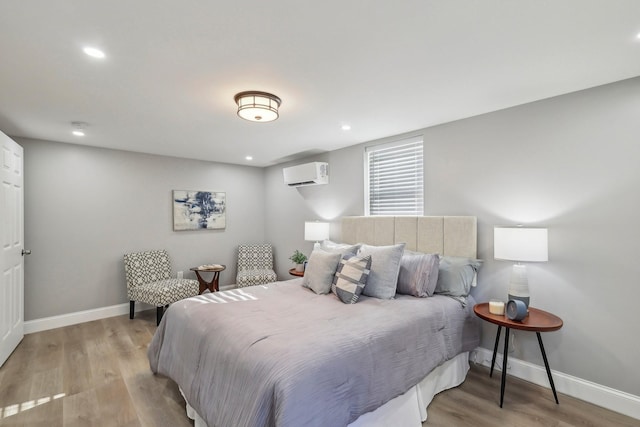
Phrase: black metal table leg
[495,350]
[504,364]
[159,311]
[546,365]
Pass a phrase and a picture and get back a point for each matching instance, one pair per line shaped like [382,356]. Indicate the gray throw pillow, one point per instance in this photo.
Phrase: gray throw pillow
[385,264]
[456,275]
[320,270]
[351,277]
[418,274]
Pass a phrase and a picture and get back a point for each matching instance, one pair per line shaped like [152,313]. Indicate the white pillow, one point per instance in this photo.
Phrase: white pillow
[343,248]
[320,270]
[385,265]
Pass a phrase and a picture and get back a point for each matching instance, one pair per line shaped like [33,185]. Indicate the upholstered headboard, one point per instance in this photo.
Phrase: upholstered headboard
[444,235]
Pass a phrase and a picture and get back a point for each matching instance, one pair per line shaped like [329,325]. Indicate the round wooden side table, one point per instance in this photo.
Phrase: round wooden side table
[294,272]
[213,284]
[536,321]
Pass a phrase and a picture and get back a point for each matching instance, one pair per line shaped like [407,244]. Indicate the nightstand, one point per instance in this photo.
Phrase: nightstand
[213,284]
[293,272]
[536,321]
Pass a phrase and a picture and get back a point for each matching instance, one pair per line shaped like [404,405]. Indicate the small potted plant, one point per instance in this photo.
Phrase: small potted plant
[298,258]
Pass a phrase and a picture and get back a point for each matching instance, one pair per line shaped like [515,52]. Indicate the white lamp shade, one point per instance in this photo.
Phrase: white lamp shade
[520,244]
[316,231]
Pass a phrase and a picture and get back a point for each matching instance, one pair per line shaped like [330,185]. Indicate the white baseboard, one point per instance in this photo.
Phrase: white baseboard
[46,323]
[606,397]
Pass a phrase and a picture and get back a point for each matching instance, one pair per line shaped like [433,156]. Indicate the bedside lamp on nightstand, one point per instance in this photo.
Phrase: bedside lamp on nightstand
[315,231]
[521,245]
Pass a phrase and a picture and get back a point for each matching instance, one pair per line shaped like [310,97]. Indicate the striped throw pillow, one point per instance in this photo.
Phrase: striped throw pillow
[351,277]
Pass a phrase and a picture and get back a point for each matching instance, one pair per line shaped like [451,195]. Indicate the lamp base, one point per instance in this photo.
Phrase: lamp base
[519,285]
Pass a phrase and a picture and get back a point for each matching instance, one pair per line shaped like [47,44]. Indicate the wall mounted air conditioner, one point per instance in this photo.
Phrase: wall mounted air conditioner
[306,174]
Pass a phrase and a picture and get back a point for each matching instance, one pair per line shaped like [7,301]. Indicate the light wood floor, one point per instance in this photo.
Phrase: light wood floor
[97,374]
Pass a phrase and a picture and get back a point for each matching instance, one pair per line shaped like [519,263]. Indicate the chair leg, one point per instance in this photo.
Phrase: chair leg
[132,306]
[159,311]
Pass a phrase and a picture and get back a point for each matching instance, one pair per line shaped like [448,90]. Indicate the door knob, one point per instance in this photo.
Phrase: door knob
[26,252]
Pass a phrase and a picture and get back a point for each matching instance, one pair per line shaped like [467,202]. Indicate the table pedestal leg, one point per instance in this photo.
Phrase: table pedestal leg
[214,282]
[203,284]
[546,365]
[212,285]
[505,355]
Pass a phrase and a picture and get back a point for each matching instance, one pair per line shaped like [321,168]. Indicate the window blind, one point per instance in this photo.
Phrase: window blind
[394,177]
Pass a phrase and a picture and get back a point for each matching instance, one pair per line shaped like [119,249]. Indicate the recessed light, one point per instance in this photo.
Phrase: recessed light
[346,127]
[249,157]
[78,128]
[93,52]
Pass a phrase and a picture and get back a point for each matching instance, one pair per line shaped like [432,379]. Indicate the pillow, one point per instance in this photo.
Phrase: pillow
[456,275]
[320,270]
[342,248]
[418,274]
[351,277]
[385,264]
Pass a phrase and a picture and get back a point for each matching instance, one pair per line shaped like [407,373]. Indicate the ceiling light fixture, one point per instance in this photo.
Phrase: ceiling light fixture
[346,127]
[93,52]
[257,106]
[78,128]
[249,158]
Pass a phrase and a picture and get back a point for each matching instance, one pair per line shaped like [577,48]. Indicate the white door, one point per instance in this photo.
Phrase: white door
[11,255]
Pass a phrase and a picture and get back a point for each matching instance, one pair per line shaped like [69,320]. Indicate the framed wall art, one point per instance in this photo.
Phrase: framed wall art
[199,210]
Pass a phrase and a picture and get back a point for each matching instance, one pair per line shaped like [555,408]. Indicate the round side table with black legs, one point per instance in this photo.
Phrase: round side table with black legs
[536,321]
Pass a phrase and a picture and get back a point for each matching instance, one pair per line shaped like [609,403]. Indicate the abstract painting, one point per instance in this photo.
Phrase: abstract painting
[199,210]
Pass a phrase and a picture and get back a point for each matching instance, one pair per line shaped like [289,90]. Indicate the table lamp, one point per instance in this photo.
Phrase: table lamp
[315,231]
[521,245]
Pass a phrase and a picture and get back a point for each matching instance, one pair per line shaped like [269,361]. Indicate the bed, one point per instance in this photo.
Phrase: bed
[281,355]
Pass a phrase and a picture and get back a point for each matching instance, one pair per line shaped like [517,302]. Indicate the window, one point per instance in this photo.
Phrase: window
[394,179]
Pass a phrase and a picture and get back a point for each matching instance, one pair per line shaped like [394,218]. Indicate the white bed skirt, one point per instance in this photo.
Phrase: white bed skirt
[407,410]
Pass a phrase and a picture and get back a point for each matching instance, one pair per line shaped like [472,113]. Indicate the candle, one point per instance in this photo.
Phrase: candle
[496,307]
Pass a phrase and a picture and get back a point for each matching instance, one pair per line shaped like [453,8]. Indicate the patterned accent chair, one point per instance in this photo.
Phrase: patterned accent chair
[149,280]
[255,265]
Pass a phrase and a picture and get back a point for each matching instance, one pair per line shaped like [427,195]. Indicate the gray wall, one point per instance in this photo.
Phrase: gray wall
[287,208]
[85,207]
[571,164]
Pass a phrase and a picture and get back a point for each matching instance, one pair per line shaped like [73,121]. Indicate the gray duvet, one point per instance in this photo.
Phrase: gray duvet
[280,355]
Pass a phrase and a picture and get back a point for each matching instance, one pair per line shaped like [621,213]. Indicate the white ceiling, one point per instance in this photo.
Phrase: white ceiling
[384,67]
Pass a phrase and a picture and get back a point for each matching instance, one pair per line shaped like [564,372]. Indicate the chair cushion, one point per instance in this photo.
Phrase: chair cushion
[164,292]
[255,277]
